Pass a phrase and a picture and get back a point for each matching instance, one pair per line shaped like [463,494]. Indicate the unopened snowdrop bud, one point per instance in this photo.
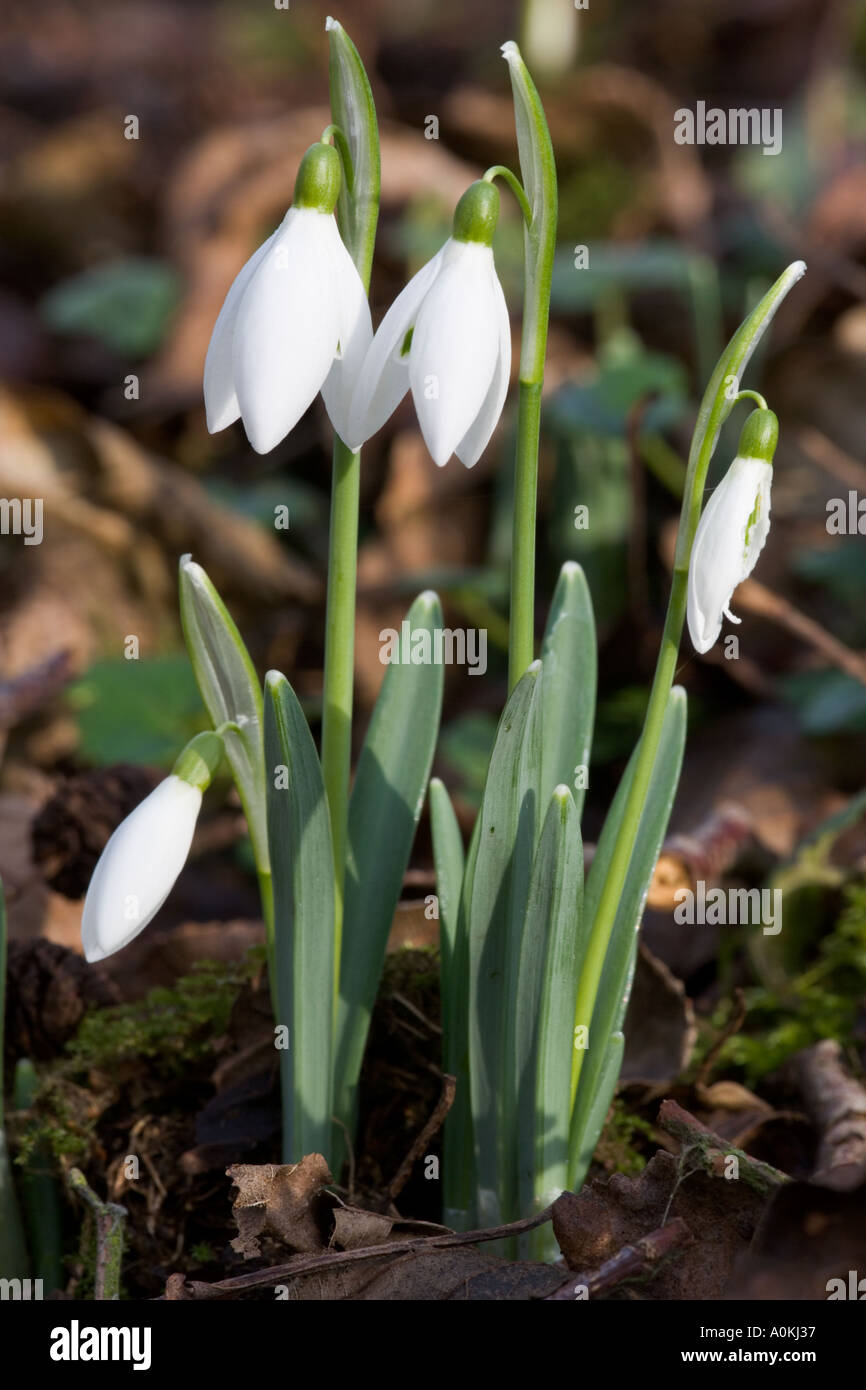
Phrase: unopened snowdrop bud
[732,530]
[447,338]
[295,322]
[138,867]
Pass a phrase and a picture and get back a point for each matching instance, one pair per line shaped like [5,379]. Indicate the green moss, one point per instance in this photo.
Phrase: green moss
[617,1148]
[823,1001]
[172,1029]
[171,1026]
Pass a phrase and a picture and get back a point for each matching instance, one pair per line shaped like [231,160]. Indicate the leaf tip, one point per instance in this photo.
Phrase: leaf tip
[331,25]
[510,52]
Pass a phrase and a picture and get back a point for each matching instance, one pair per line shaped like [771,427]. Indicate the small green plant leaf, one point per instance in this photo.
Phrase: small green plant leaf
[302,862]
[553,941]
[615,983]
[596,1113]
[569,656]
[230,690]
[384,808]
[506,845]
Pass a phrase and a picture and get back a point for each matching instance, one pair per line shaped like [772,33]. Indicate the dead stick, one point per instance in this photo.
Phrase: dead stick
[311,1264]
[710,1151]
[109,1219]
[631,1262]
[837,1104]
[443,1105]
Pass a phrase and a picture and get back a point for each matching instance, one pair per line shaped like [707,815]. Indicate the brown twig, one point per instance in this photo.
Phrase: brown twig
[706,853]
[108,1219]
[23,694]
[631,1262]
[756,598]
[443,1105]
[311,1264]
[734,1024]
[710,1152]
[837,1104]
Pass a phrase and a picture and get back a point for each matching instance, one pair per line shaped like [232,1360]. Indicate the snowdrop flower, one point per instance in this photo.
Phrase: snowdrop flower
[732,530]
[295,322]
[137,869]
[447,338]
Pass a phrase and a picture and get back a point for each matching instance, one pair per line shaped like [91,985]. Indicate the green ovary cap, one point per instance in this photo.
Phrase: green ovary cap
[318,183]
[760,436]
[199,760]
[477,213]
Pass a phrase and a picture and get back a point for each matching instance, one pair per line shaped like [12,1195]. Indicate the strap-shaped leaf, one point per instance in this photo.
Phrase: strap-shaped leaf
[453,874]
[553,943]
[303,876]
[450,862]
[386,801]
[230,690]
[569,655]
[596,1113]
[354,112]
[615,982]
[509,823]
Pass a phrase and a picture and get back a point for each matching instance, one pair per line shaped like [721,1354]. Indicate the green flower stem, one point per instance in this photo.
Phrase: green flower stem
[339,666]
[521,636]
[717,403]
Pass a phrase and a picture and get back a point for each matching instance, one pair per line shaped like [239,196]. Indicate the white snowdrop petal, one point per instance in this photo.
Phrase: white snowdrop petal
[730,536]
[287,329]
[221,402]
[356,335]
[384,376]
[477,437]
[138,867]
[455,347]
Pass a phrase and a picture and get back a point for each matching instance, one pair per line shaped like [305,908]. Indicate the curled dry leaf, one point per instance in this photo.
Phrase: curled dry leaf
[280,1200]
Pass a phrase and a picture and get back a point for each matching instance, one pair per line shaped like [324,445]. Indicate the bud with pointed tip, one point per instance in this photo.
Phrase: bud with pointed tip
[447,338]
[295,322]
[732,530]
[139,865]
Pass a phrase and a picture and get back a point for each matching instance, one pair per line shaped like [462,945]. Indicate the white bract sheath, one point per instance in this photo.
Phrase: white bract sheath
[731,532]
[295,322]
[447,338]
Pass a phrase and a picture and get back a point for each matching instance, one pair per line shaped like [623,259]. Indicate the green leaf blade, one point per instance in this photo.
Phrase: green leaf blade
[230,691]
[384,809]
[569,656]
[615,983]
[555,918]
[302,859]
[502,872]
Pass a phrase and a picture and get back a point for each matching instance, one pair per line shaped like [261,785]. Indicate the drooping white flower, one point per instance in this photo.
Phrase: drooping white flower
[732,530]
[139,865]
[295,322]
[447,338]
